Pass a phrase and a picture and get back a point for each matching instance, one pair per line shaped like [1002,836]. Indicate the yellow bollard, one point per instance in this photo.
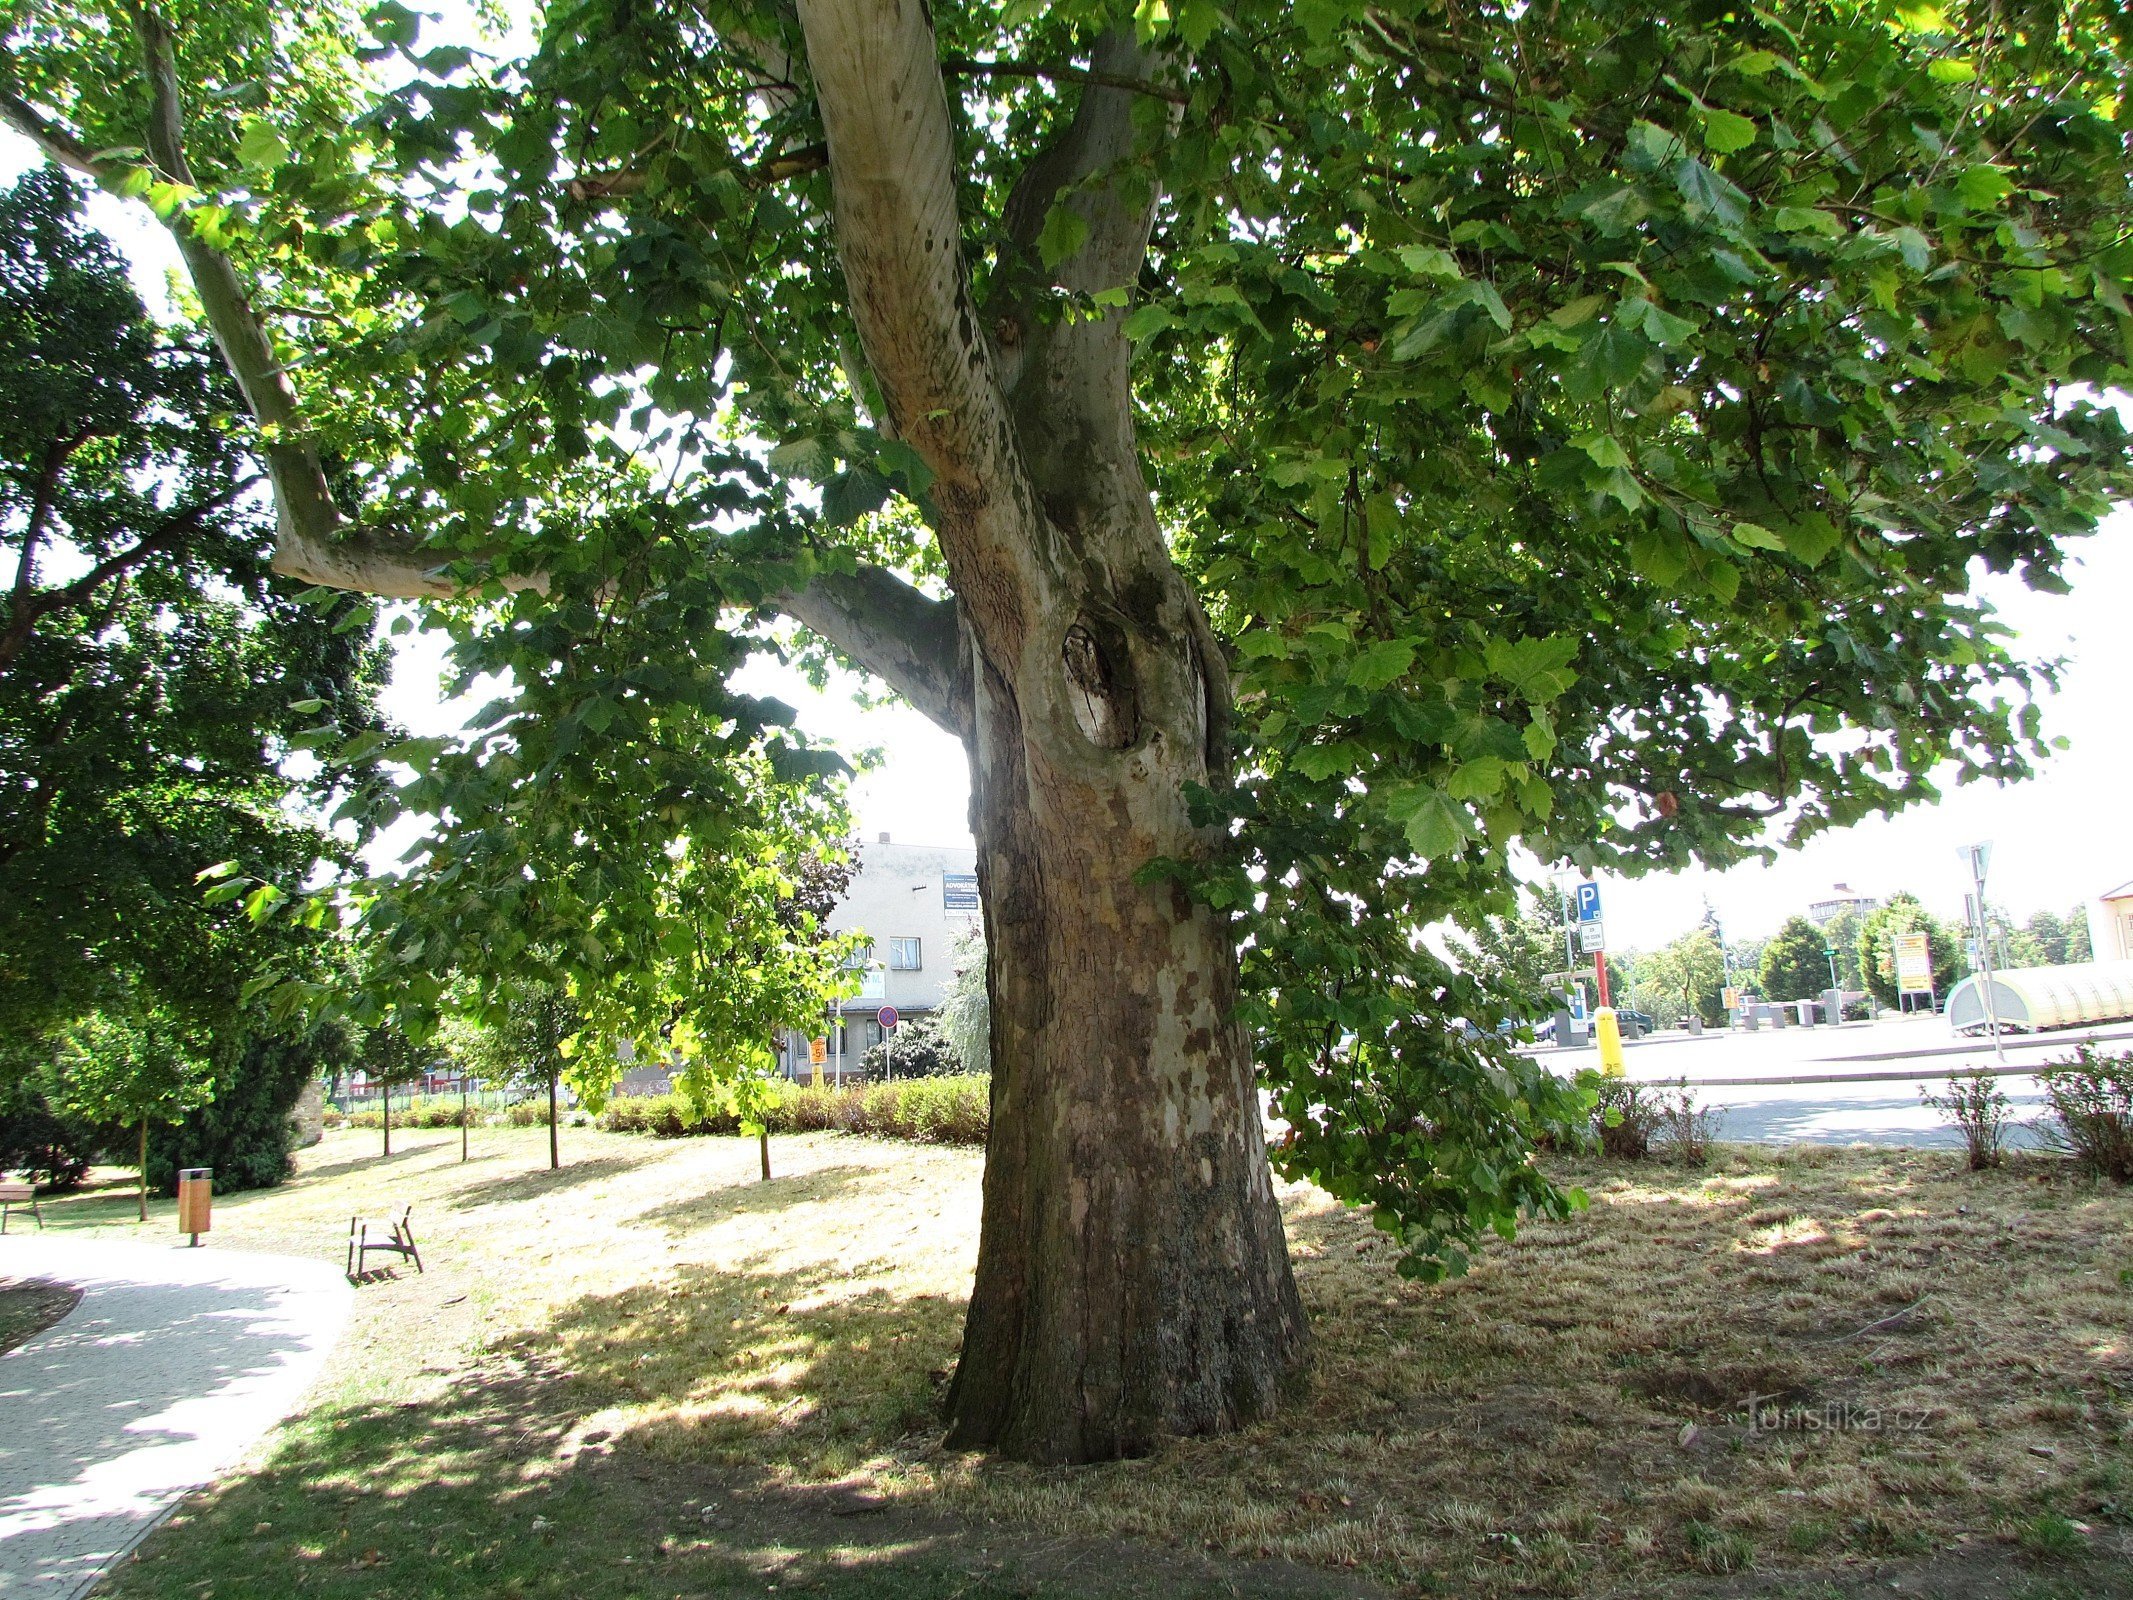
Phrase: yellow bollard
[1609,1036]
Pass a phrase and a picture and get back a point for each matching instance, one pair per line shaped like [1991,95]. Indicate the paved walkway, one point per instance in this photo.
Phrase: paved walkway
[167,1372]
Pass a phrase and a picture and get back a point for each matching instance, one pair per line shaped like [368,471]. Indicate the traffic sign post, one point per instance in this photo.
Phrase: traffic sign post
[887,1017]
[1978,857]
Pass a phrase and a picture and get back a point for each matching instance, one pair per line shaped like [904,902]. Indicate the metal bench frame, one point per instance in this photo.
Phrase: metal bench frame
[399,1240]
[16,1194]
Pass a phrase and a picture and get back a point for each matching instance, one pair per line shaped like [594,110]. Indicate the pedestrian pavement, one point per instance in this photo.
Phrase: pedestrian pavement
[173,1365]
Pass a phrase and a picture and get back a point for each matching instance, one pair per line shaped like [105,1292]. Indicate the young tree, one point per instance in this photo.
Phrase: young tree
[1794,965]
[525,1036]
[1843,931]
[1877,942]
[134,1068]
[388,1056]
[1303,452]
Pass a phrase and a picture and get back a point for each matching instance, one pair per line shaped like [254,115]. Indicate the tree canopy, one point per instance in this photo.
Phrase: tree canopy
[148,660]
[1321,448]
[1794,964]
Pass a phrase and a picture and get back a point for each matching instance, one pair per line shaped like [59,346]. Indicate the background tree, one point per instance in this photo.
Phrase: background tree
[389,1056]
[965,1012]
[1794,965]
[1692,971]
[524,1038]
[147,659]
[136,1068]
[1542,408]
[1517,954]
[1877,935]
[1843,930]
[2078,947]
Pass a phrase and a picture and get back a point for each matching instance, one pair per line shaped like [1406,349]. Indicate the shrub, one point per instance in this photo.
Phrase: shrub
[1626,1117]
[1689,1127]
[51,1150]
[938,1110]
[920,1050]
[1976,1106]
[244,1135]
[2091,1098]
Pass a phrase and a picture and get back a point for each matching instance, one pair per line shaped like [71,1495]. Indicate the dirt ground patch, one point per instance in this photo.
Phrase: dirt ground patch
[27,1308]
[1813,1373]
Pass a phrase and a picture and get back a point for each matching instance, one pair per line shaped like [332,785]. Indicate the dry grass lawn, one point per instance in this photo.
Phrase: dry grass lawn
[1938,1366]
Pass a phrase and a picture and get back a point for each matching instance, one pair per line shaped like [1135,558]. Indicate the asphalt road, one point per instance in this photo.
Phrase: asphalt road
[1877,1108]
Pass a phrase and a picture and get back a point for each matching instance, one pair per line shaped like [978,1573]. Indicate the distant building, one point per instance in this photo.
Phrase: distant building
[2111,926]
[1841,900]
[914,903]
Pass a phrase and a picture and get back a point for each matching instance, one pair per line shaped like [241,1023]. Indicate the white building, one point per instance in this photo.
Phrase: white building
[1842,898]
[2111,925]
[914,903]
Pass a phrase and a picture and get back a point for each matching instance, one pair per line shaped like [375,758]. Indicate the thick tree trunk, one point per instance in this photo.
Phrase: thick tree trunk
[1133,1279]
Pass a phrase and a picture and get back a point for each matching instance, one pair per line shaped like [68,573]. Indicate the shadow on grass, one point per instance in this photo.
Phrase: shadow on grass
[305,1176]
[505,1188]
[646,1443]
[757,1198]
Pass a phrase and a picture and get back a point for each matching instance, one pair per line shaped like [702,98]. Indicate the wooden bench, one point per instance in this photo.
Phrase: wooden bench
[14,1194]
[395,1238]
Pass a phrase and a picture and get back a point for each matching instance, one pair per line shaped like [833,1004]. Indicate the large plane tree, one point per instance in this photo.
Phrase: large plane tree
[1305,452]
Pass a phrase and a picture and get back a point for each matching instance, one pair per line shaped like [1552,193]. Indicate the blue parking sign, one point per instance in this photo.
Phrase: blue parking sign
[1588,902]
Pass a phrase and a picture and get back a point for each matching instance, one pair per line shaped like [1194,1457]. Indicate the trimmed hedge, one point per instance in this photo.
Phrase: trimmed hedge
[943,1110]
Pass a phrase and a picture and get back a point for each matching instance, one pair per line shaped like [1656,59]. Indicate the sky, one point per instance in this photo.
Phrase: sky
[2060,840]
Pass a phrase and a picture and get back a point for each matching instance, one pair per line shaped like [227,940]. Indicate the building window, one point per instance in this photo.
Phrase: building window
[871,1033]
[903,955]
[860,956]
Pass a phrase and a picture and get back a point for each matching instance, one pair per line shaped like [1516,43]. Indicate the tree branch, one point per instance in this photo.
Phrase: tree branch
[315,541]
[892,152]
[904,637]
[27,609]
[966,66]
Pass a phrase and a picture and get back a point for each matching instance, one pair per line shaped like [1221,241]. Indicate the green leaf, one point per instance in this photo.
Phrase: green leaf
[1065,231]
[1757,537]
[851,494]
[1478,779]
[1983,187]
[804,457]
[1381,665]
[1706,194]
[1147,320]
[1604,448]
[1661,557]
[1725,131]
[1436,824]
[260,146]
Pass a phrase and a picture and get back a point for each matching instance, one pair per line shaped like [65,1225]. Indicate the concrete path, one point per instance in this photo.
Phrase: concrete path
[172,1366]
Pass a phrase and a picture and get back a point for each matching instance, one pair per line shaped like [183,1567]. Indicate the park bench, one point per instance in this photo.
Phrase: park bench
[395,1237]
[14,1194]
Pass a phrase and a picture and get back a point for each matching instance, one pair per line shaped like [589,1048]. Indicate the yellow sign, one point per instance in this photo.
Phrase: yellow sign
[1914,964]
[1730,999]
[817,1053]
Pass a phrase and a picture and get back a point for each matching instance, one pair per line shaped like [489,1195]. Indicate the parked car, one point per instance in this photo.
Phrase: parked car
[1641,1020]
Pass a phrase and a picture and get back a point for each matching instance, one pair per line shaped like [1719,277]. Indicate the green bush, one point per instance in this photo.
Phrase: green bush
[243,1135]
[2091,1098]
[943,1110]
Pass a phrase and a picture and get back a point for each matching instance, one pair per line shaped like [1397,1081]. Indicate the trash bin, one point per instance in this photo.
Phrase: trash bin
[196,1200]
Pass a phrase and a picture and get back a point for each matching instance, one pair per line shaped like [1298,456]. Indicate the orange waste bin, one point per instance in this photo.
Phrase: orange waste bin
[196,1195]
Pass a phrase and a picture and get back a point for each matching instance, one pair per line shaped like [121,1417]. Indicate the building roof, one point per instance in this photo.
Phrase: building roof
[2123,892]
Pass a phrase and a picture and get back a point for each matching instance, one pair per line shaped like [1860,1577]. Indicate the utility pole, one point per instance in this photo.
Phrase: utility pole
[1977,857]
